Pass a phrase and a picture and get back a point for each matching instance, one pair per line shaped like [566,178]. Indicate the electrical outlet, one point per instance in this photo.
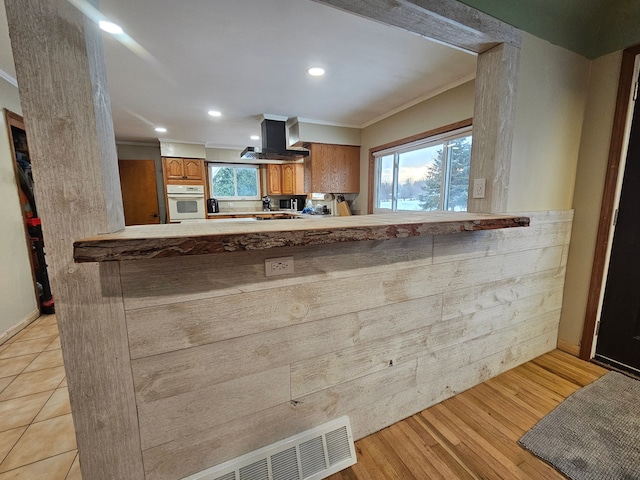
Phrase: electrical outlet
[278,266]
[479,185]
[230,204]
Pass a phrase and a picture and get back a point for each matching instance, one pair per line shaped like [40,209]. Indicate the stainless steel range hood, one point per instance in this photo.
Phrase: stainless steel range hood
[274,144]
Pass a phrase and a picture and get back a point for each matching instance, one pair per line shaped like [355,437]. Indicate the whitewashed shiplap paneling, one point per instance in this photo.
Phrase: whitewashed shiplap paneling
[162,376]
[180,415]
[480,305]
[187,324]
[317,373]
[147,283]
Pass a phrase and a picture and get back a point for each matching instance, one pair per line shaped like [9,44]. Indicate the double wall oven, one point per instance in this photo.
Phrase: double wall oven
[186,202]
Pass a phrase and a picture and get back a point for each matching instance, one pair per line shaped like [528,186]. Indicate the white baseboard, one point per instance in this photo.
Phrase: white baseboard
[19,326]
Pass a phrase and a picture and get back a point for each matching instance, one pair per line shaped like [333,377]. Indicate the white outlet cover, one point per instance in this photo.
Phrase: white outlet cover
[479,185]
[278,266]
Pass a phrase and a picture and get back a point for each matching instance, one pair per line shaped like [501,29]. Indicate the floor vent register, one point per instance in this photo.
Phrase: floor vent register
[310,455]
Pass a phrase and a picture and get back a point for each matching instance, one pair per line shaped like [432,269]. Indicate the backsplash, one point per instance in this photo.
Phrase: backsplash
[235,206]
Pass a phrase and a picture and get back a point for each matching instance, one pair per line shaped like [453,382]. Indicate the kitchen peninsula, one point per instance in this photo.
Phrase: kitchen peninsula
[383,316]
[205,237]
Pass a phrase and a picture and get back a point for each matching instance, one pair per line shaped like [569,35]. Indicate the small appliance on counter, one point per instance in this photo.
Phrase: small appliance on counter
[321,210]
[266,204]
[290,204]
[212,205]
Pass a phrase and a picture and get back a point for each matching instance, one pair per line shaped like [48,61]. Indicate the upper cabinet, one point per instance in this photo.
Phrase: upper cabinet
[332,168]
[293,179]
[274,180]
[285,179]
[183,170]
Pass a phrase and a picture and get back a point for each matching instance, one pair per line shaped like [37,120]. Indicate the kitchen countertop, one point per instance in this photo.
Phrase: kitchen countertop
[257,212]
[172,240]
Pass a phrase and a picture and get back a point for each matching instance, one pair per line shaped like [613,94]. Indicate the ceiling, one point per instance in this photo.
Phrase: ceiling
[246,58]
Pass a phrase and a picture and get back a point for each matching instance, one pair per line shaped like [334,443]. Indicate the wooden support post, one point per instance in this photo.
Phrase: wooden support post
[62,85]
[493,120]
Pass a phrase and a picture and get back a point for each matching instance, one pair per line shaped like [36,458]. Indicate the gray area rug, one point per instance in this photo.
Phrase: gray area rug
[595,433]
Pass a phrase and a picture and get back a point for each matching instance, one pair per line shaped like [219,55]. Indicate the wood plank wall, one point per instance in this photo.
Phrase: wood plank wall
[226,361]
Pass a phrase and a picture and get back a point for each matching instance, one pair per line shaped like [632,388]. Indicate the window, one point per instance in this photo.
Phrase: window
[234,182]
[427,174]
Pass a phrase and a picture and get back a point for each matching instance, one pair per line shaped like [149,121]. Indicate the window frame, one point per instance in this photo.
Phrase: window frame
[235,166]
[416,141]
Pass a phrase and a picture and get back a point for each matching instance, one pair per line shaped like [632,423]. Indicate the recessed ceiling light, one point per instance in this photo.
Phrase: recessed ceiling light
[315,71]
[255,137]
[161,130]
[214,113]
[110,27]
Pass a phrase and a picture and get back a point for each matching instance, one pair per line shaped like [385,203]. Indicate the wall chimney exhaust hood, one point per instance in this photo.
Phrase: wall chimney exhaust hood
[274,144]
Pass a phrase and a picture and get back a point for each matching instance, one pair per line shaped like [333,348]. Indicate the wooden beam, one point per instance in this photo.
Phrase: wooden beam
[447,21]
[498,46]
[219,237]
[493,120]
[63,93]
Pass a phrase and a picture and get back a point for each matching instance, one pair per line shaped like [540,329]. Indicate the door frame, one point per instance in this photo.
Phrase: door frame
[15,120]
[608,205]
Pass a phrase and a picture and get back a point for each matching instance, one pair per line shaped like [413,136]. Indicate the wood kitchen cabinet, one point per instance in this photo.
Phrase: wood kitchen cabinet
[332,168]
[183,170]
[293,179]
[285,179]
[274,180]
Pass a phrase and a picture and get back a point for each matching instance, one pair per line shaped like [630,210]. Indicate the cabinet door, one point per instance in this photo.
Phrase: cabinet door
[299,179]
[288,179]
[321,168]
[347,169]
[274,180]
[334,168]
[174,168]
[192,169]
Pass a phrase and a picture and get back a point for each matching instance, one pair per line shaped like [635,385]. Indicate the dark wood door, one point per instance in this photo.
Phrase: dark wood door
[619,333]
[139,192]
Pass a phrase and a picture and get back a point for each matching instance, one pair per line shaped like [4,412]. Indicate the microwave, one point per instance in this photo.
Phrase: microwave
[290,204]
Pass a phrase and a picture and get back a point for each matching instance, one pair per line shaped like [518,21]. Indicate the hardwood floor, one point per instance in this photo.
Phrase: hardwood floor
[475,434]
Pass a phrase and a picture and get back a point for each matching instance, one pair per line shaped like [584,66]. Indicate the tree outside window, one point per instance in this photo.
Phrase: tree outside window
[430,174]
[452,160]
[239,182]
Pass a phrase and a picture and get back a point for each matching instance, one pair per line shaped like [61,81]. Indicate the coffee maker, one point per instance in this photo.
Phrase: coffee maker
[266,204]
[212,205]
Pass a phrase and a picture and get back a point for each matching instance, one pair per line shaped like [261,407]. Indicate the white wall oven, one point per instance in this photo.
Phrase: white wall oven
[185,202]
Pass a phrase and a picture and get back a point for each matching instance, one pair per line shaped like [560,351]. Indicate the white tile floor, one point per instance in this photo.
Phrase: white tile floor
[37,440]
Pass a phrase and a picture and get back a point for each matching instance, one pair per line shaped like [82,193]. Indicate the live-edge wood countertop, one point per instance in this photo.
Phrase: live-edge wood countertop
[172,240]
